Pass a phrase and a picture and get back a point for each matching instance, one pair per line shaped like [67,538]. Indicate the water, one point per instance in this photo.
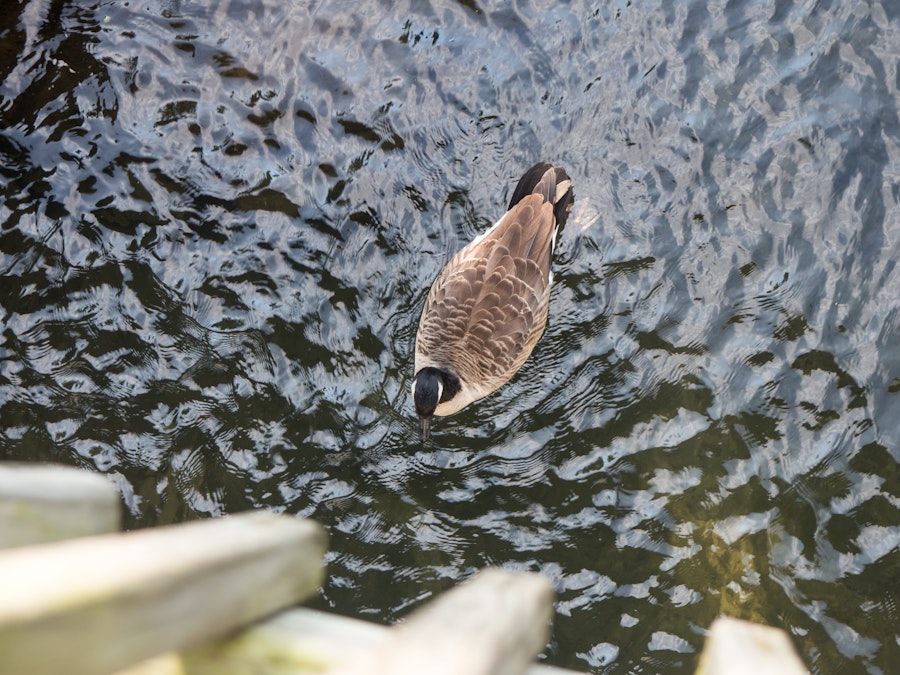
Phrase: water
[219,226]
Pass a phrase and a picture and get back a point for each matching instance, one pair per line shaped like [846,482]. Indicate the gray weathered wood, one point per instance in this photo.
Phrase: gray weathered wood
[41,503]
[735,647]
[495,624]
[302,641]
[299,641]
[98,604]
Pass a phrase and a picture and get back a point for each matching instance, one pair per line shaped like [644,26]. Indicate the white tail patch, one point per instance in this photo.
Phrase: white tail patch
[583,215]
[561,189]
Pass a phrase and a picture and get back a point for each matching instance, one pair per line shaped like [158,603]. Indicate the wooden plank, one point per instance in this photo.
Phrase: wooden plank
[495,624]
[98,604]
[736,647]
[42,503]
[299,641]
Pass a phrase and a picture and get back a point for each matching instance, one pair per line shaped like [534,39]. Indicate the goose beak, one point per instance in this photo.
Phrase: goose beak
[426,428]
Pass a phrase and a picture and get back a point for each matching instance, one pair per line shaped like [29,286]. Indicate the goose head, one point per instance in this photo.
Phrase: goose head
[431,387]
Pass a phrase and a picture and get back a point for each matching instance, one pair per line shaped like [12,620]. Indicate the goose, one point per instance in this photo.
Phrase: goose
[487,308]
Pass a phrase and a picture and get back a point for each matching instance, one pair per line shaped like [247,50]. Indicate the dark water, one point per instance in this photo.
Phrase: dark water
[219,226]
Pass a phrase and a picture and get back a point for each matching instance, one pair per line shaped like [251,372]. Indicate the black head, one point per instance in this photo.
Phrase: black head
[430,387]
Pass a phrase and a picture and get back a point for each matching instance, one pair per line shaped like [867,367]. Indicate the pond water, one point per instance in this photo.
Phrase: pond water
[218,227]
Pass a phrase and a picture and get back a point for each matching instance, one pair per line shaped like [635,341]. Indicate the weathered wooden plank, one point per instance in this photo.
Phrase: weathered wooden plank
[735,647]
[42,503]
[98,604]
[299,641]
[494,624]
[295,642]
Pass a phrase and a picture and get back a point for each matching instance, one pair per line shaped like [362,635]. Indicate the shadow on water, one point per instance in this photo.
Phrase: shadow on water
[218,227]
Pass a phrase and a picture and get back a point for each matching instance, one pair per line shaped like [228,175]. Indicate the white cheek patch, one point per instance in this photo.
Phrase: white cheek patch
[440,391]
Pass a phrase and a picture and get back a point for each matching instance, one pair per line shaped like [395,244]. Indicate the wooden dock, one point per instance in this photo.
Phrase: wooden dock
[220,596]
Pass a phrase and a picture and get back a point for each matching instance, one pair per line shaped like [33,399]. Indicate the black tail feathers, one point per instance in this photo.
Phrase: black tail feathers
[560,191]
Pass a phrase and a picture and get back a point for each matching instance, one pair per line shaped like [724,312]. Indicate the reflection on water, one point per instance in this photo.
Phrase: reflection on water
[218,227]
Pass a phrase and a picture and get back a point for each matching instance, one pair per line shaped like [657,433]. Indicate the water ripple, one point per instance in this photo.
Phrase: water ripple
[218,225]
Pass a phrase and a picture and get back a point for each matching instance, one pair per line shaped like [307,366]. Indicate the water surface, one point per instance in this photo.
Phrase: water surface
[218,226]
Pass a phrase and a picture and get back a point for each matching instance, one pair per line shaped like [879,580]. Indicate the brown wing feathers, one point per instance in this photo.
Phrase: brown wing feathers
[508,284]
[488,306]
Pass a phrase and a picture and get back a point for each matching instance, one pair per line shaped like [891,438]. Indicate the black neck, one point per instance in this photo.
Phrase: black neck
[451,383]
